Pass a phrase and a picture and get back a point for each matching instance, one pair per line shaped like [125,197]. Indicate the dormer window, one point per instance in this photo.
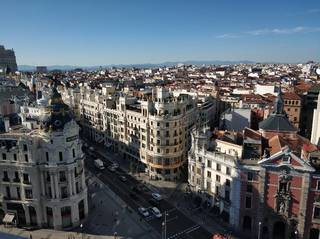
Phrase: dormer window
[286,159]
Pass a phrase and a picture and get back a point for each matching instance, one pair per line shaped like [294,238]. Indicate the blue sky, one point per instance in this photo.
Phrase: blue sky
[99,32]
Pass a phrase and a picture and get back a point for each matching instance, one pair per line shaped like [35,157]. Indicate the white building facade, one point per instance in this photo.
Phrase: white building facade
[42,170]
[315,135]
[213,173]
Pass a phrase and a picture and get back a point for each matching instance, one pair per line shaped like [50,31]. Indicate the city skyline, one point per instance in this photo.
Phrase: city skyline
[59,33]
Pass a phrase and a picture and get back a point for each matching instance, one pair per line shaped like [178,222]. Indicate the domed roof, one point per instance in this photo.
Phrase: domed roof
[57,112]
[277,121]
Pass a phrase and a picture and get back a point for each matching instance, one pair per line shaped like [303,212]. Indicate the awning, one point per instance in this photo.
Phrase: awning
[8,218]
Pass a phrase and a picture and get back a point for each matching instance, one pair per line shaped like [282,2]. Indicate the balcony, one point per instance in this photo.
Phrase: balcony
[6,179]
[26,182]
[16,180]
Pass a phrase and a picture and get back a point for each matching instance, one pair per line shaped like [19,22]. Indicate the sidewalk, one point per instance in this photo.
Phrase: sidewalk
[51,234]
[108,215]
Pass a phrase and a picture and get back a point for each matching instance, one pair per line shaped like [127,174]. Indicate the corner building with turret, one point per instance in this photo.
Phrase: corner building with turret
[42,168]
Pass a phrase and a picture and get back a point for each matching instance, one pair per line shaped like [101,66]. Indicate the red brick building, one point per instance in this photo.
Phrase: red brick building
[280,193]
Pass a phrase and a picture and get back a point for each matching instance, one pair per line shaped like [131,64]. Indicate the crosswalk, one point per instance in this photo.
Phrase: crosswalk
[186,231]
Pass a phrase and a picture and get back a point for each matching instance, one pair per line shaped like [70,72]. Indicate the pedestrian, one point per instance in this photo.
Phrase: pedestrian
[30,236]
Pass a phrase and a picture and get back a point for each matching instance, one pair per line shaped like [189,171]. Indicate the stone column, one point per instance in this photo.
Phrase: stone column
[70,183]
[42,183]
[73,181]
[53,191]
[26,211]
[261,188]
[303,203]
[39,216]
[56,180]
[57,219]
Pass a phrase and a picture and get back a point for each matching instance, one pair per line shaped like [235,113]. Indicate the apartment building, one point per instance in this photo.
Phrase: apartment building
[213,172]
[152,130]
[42,168]
[273,173]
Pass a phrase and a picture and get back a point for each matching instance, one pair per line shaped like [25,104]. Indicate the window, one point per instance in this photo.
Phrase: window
[4,156]
[228,183]
[218,168]
[318,185]
[209,163]
[62,176]
[198,171]
[47,156]
[208,174]
[217,190]
[8,192]
[200,159]
[167,142]
[316,212]
[227,195]
[26,178]
[248,201]
[25,148]
[28,193]
[26,158]
[64,192]
[167,151]
[18,193]
[158,150]
[218,178]
[228,171]
[16,177]
[249,188]
[5,176]
[73,153]
[15,157]
[167,124]
[60,156]
[249,176]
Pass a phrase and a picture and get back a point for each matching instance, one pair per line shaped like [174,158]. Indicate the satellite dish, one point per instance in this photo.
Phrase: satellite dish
[318,71]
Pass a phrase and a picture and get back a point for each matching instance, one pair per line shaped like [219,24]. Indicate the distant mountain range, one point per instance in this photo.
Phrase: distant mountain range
[146,65]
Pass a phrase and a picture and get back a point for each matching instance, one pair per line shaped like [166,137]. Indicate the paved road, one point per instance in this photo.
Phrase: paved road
[178,225]
[10,236]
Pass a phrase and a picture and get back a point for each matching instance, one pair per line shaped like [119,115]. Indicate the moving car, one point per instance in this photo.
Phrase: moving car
[155,211]
[143,211]
[99,164]
[156,196]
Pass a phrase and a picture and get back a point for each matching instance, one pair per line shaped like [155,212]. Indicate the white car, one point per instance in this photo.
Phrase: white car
[143,211]
[155,211]
[111,169]
[156,196]
[115,165]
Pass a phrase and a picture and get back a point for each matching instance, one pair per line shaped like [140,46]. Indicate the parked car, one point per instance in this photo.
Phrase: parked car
[143,211]
[136,189]
[155,211]
[123,178]
[156,196]
[154,202]
[115,165]
[134,196]
[99,164]
[111,169]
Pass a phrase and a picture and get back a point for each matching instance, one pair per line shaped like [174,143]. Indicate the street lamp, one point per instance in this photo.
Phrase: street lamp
[296,234]
[259,230]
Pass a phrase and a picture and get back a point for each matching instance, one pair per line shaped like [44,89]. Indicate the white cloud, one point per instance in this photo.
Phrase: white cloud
[228,35]
[273,31]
